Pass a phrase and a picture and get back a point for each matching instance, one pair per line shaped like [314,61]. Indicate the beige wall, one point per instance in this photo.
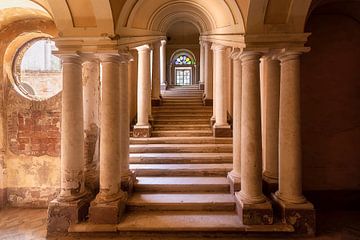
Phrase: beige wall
[330,93]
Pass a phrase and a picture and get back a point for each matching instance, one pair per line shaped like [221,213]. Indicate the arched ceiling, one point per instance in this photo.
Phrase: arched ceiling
[15,10]
[157,16]
[152,18]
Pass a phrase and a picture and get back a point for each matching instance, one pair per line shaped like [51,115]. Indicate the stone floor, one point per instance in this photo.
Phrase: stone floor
[26,224]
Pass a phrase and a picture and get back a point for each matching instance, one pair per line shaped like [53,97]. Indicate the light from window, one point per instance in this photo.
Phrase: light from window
[183,60]
[38,73]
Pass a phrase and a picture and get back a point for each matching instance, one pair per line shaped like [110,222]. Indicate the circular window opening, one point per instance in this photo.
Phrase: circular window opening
[38,73]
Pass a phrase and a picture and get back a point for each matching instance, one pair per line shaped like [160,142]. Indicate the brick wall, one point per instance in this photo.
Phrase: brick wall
[34,133]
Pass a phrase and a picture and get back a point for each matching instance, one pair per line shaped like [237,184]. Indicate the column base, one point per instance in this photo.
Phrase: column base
[300,215]
[155,102]
[62,214]
[142,131]
[222,131]
[163,87]
[107,212]
[270,185]
[254,213]
[208,102]
[212,121]
[201,86]
[3,197]
[127,182]
[235,182]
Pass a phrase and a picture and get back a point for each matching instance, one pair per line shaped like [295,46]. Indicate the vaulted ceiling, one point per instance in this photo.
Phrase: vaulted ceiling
[94,18]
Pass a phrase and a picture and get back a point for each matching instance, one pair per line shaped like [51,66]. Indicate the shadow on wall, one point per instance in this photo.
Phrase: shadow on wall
[330,102]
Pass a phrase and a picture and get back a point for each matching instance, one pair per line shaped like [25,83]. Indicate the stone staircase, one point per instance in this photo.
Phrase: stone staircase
[181,176]
[181,169]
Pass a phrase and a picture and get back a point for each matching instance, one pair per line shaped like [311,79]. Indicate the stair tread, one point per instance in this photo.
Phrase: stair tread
[189,140]
[191,166]
[180,198]
[182,180]
[182,155]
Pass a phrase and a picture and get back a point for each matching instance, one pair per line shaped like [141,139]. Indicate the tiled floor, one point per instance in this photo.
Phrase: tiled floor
[26,224]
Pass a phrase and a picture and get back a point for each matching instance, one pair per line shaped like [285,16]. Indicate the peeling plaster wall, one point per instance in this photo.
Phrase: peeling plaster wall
[30,133]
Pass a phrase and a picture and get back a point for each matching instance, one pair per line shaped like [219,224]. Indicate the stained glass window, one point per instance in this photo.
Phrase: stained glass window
[183,60]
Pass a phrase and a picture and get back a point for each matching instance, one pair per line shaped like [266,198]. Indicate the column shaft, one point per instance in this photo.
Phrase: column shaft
[163,81]
[290,185]
[234,175]
[251,162]
[208,75]
[271,94]
[72,135]
[155,91]
[202,66]
[221,127]
[91,89]
[143,128]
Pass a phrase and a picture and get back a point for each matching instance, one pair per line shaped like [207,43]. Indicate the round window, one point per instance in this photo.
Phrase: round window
[38,73]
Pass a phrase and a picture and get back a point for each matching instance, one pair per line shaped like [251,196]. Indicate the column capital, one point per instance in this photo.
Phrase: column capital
[207,44]
[235,54]
[73,58]
[246,56]
[121,57]
[286,54]
[163,42]
[143,48]
[218,47]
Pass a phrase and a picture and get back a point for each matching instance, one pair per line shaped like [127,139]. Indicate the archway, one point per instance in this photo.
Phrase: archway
[183,68]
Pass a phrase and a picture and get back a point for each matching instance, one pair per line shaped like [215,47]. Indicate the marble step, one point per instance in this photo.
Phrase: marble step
[181,148]
[185,140]
[214,169]
[186,121]
[180,117]
[198,223]
[185,133]
[182,184]
[182,103]
[182,107]
[181,202]
[180,158]
[168,127]
[181,110]
[181,99]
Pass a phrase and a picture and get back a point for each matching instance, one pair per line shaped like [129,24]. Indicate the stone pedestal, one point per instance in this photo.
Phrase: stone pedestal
[222,131]
[142,131]
[235,182]
[201,86]
[127,182]
[163,87]
[270,185]
[156,102]
[254,213]
[208,102]
[61,214]
[107,212]
[300,215]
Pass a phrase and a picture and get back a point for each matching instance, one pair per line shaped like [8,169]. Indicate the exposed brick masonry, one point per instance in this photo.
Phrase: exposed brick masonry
[34,133]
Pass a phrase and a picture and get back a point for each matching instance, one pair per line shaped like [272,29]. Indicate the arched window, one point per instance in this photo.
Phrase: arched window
[37,73]
[184,59]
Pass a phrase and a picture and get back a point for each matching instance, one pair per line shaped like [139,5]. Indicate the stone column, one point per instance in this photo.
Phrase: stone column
[271,95]
[155,90]
[132,75]
[213,117]
[202,66]
[142,127]
[208,62]
[221,127]
[289,196]
[110,202]
[163,82]
[252,205]
[91,90]
[127,176]
[234,175]
[72,203]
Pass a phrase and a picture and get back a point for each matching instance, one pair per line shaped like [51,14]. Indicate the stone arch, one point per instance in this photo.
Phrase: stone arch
[173,66]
